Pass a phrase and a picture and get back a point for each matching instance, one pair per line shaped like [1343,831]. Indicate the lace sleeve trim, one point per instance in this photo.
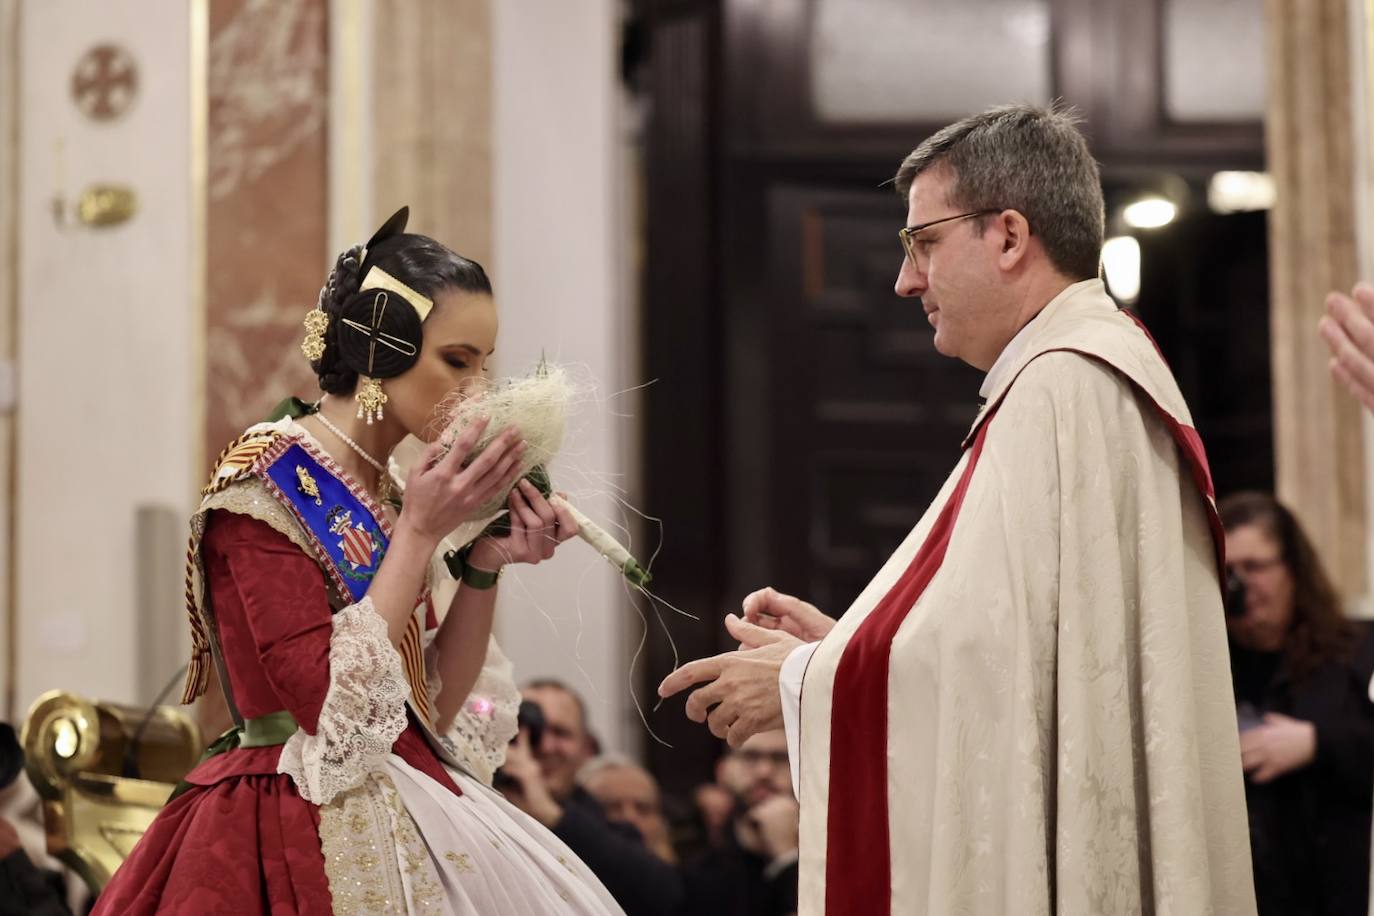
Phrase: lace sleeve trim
[487,721]
[363,714]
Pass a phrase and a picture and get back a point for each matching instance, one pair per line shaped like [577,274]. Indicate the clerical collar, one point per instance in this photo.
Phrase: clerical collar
[1010,356]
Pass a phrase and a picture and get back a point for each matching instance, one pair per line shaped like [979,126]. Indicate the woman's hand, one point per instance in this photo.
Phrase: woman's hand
[537,527]
[773,610]
[441,493]
[1279,746]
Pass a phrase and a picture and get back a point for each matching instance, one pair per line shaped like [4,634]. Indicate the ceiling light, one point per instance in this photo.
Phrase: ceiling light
[1121,264]
[1233,192]
[1149,213]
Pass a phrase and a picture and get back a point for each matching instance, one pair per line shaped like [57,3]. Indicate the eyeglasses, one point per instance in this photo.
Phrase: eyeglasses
[907,234]
[1248,568]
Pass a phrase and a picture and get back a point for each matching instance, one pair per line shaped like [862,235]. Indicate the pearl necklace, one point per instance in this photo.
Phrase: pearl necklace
[384,480]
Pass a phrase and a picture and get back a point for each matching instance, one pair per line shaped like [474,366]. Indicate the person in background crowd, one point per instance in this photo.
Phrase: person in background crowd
[715,804]
[754,872]
[1301,672]
[629,795]
[542,781]
[27,885]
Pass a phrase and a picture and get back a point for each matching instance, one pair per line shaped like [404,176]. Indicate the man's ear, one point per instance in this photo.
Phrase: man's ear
[1016,238]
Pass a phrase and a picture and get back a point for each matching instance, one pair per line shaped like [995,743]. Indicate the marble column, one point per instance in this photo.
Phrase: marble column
[1311,149]
[9,264]
[267,204]
[431,115]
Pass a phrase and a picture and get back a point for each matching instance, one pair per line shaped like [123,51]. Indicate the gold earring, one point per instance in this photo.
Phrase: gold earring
[316,322]
[370,397]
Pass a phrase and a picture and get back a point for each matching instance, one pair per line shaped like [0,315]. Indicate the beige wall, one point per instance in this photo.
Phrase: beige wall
[108,375]
[431,113]
[556,222]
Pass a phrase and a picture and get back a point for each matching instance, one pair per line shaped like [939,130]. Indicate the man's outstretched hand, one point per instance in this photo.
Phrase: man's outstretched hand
[772,610]
[740,697]
[1349,331]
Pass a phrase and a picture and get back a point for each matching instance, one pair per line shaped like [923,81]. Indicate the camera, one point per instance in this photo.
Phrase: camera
[530,718]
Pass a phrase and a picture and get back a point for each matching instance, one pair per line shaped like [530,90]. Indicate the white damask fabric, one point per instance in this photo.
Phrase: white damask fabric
[1061,729]
[363,714]
[400,844]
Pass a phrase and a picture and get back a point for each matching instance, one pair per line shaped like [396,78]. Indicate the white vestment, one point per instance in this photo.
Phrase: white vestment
[1029,709]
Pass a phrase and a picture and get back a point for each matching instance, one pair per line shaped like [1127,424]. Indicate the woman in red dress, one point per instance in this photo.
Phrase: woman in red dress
[344,787]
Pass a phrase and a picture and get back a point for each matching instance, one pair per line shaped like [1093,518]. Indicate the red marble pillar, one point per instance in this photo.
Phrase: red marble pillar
[267,205]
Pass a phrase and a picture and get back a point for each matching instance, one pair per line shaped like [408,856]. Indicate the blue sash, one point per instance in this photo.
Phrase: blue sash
[343,529]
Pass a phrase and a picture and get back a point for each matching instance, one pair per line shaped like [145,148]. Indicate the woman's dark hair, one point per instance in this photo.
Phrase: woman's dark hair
[1320,633]
[418,261]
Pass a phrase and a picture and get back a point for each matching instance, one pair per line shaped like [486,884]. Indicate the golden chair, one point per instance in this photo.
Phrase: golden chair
[103,771]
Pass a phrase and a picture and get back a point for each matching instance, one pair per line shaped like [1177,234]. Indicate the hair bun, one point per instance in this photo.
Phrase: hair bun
[343,281]
[379,334]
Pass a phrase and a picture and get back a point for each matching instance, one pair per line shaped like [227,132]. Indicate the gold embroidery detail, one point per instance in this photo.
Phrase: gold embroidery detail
[418,870]
[360,853]
[461,860]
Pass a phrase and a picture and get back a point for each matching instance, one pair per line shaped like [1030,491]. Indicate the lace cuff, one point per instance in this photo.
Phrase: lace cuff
[487,721]
[364,710]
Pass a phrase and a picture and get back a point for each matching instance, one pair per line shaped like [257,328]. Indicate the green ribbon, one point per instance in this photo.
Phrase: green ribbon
[270,730]
[294,408]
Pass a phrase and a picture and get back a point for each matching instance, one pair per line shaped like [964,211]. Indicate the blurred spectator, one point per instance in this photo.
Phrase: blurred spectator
[716,806]
[754,870]
[629,794]
[1301,672]
[25,887]
[541,781]
[567,744]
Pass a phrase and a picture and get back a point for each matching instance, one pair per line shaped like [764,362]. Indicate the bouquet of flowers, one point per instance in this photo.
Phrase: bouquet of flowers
[537,404]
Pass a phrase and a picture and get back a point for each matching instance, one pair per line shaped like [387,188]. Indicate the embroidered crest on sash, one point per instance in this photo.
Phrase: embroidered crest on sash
[348,539]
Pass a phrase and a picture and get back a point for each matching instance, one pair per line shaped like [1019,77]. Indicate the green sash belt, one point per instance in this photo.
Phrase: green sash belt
[270,730]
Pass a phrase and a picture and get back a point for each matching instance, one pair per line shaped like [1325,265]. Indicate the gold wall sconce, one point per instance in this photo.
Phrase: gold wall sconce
[106,205]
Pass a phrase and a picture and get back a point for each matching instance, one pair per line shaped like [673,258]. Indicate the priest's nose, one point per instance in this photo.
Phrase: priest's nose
[911,282]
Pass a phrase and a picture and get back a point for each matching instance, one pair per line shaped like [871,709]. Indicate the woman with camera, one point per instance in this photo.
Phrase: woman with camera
[1302,673]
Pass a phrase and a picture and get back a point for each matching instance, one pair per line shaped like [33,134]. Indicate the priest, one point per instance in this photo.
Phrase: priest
[1029,708]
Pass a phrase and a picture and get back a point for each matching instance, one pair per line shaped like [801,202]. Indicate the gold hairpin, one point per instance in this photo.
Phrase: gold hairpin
[379,279]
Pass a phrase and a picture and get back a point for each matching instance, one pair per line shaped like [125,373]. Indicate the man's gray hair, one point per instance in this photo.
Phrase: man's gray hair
[1026,158]
[612,761]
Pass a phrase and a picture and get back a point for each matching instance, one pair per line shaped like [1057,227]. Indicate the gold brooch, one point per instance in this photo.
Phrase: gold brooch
[307,485]
[316,323]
